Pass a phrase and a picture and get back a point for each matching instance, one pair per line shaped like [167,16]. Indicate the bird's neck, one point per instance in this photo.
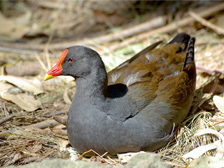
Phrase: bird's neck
[92,86]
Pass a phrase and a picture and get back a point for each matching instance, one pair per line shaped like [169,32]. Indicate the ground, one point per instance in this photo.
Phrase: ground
[33,112]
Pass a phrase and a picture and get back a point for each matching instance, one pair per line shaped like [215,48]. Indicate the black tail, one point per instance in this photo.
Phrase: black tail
[181,38]
[190,52]
[188,41]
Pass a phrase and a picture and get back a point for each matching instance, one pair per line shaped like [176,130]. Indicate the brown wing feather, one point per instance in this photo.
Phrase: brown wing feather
[159,74]
[115,75]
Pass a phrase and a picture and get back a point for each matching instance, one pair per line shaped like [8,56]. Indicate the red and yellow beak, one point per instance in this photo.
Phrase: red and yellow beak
[56,69]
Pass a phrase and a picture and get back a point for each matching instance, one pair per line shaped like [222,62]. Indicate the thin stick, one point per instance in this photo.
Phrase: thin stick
[41,62]
[46,50]
[43,124]
[151,24]
[6,119]
[170,27]
[208,70]
[61,120]
[218,122]
[55,113]
[99,40]
[206,23]
[101,156]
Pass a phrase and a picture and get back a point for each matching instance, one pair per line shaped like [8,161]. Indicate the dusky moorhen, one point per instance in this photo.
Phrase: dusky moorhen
[136,105]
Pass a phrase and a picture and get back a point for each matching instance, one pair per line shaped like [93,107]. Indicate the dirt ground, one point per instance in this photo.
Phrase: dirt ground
[33,34]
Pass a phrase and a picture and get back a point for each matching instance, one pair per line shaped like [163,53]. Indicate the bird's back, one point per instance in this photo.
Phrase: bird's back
[160,75]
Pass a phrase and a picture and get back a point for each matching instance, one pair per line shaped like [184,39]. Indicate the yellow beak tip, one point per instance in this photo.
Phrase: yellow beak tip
[47,77]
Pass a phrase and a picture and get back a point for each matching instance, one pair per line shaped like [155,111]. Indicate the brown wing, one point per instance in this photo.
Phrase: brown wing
[118,72]
[166,74]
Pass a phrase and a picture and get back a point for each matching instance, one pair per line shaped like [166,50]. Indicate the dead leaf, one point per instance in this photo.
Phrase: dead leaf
[219,144]
[197,152]
[4,86]
[24,84]
[24,101]
[219,102]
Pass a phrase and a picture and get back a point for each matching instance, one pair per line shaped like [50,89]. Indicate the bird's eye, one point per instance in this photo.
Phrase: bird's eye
[70,60]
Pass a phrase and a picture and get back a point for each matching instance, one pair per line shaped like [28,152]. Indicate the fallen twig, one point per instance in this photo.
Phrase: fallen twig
[46,50]
[41,62]
[206,23]
[101,156]
[170,27]
[157,22]
[209,70]
[6,119]
[55,113]
[102,39]
[61,120]
[151,24]
[41,125]
[217,122]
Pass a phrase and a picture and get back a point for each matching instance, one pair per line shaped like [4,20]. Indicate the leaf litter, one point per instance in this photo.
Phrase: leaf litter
[31,134]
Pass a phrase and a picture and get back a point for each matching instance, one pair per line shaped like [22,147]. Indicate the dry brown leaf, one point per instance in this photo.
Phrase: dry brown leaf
[24,101]
[24,84]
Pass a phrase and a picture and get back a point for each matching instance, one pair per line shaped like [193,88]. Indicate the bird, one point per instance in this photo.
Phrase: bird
[134,107]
